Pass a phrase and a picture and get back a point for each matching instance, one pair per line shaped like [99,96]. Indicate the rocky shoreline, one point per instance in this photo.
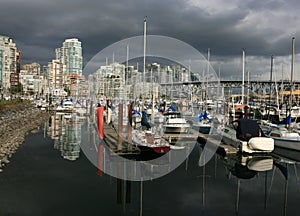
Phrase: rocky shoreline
[15,124]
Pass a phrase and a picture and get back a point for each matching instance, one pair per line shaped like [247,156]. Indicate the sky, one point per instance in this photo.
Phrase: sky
[262,28]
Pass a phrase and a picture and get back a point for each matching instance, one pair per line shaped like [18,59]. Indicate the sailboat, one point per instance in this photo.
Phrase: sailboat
[245,134]
[203,122]
[147,140]
[283,137]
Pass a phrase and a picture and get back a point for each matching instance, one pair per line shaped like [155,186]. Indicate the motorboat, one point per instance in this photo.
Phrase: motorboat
[203,123]
[246,136]
[175,123]
[284,138]
[66,106]
[158,118]
[203,126]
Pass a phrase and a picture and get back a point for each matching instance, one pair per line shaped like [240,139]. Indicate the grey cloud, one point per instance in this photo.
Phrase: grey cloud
[40,26]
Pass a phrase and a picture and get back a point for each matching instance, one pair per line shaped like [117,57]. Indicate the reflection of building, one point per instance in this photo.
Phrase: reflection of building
[66,133]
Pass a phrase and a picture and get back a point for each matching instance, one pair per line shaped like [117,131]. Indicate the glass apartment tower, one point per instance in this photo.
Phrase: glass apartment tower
[70,54]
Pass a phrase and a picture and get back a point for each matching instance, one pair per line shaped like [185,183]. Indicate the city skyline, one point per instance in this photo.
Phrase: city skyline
[262,28]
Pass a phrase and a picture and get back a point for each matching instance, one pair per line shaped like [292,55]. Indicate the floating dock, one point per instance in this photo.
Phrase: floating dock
[194,136]
[118,145]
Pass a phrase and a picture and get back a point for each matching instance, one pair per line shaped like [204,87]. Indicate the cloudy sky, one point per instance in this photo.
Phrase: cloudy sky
[262,27]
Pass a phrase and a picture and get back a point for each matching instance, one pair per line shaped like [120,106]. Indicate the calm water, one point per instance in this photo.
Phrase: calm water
[50,175]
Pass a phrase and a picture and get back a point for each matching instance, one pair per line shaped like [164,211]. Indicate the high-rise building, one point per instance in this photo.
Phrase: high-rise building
[33,68]
[8,57]
[70,54]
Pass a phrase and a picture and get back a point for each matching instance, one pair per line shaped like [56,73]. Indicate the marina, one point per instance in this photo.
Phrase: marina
[149,131]
[271,181]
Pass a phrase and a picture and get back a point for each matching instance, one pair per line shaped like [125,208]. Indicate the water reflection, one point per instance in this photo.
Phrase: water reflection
[268,182]
[65,130]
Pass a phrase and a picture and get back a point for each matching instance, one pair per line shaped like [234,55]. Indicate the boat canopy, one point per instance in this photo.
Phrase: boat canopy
[171,109]
[248,128]
[203,116]
[285,121]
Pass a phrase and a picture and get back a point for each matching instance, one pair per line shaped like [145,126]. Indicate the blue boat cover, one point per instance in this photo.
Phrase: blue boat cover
[204,116]
[285,121]
[145,121]
[171,108]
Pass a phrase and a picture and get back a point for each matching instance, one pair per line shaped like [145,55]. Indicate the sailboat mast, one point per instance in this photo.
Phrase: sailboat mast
[127,57]
[208,64]
[271,78]
[292,72]
[248,88]
[144,63]
[243,77]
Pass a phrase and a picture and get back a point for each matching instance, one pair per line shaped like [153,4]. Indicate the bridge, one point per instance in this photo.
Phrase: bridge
[257,87]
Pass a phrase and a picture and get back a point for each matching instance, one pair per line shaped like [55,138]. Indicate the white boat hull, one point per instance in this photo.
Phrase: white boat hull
[159,119]
[288,144]
[254,145]
[176,128]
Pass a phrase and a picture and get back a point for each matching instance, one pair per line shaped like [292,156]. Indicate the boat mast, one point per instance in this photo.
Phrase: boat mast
[243,79]
[126,72]
[208,64]
[152,87]
[271,73]
[281,89]
[248,88]
[127,56]
[292,73]
[144,63]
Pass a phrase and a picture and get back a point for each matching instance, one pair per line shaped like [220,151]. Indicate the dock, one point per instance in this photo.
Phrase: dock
[194,136]
[116,145]
[185,138]
[123,147]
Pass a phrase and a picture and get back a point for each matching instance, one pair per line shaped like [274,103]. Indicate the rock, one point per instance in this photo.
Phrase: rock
[14,125]
[5,160]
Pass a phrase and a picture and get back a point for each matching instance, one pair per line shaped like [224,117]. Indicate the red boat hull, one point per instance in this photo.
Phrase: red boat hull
[161,150]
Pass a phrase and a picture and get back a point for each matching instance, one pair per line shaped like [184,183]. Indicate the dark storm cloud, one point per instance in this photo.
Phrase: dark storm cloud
[262,27]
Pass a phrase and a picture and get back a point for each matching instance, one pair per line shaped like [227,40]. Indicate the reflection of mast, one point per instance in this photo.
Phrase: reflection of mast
[284,171]
[141,198]
[203,187]
[285,194]
[238,195]
[203,181]
[123,192]
[266,191]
